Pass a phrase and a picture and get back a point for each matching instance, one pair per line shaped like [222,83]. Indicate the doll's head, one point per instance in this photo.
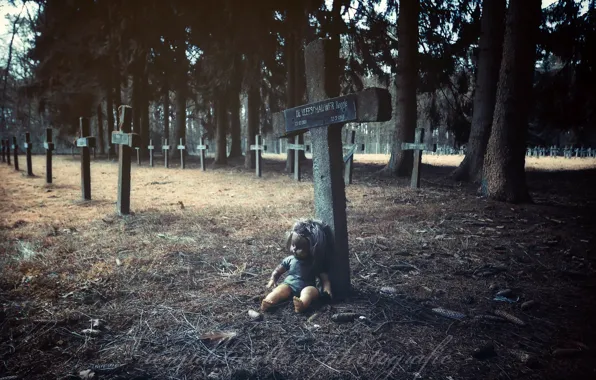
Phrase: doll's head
[306,239]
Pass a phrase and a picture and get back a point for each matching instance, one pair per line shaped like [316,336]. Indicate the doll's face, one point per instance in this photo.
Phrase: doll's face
[299,246]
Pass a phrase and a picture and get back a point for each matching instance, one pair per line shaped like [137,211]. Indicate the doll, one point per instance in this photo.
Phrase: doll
[308,244]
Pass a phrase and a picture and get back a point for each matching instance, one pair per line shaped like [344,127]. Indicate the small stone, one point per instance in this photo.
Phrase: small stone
[528,304]
[255,315]
[388,290]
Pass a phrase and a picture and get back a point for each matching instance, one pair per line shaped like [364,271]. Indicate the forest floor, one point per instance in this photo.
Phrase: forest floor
[86,293]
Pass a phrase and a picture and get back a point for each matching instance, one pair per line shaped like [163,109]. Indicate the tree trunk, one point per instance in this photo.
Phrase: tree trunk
[254,105]
[166,109]
[487,79]
[504,176]
[401,161]
[144,110]
[234,106]
[100,136]
[181,94]
[15,27]
[110,116]
[137,92]
[221,115]
[290,52]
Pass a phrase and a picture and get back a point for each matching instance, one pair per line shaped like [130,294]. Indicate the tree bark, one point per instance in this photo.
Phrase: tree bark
[221,113]
[504,168]
[234,105]
[100,135]
[254,109]
[166,109]
[181,94]
[487,79]
[290,52]
[401,161]
[144,110]
[110,116]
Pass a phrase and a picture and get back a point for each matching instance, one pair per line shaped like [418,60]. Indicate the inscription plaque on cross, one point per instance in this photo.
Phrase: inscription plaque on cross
[181,147]
[28,147]
[297,147]
[165,148]
[151,148]
[7,145]
[202,147]
[49,146]
[258,147]
[85,142]
[418,146]
[126,141]
[15,150]
[324,118]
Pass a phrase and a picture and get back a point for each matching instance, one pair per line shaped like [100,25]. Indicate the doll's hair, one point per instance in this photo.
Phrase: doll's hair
[318,235]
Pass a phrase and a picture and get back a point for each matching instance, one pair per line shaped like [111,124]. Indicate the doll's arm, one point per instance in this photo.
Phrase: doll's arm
[326,284]
[275,275]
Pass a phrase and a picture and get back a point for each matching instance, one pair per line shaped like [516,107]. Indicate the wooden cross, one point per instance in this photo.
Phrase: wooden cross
[28,147]
[349,158]
[202,147]
[297,147]
[15,149]
[418,146]
[166,153]
[150,148]
[258,147]
[324,118]
[3,150]
[7,145]
[85,142]
[126,140]
[138,149]
[181,148]
[49,146]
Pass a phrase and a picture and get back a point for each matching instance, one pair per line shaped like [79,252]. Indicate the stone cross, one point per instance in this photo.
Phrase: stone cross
[258,147]
[49,146]
[28,147]
[126,142]
[297,147]
[7,145]
[202,147]
[418,146]
[150,148]
[181,147]
[324,118]
[3,151]
[85,142]
[349,158]
[15,149]
[166,153]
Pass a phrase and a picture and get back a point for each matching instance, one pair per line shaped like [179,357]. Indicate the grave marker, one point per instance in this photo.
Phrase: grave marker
[297,147]
[258,147]
[349,158]
[7,145]
[85,142]
[138,149]
[126,141]
[166,153]
[418,146]
[3,151]
[28,147]
[49,145]
[202,147]
[15,149]
[151,148]
[181,148]
[322,117]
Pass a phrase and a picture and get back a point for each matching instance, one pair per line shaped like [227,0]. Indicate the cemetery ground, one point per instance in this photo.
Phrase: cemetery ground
[164,293]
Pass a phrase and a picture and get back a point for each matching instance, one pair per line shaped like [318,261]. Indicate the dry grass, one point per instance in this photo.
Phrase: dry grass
[196,253]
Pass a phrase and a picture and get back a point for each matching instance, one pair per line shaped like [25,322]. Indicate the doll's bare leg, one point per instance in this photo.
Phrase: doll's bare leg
[280,293]
[307,295]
